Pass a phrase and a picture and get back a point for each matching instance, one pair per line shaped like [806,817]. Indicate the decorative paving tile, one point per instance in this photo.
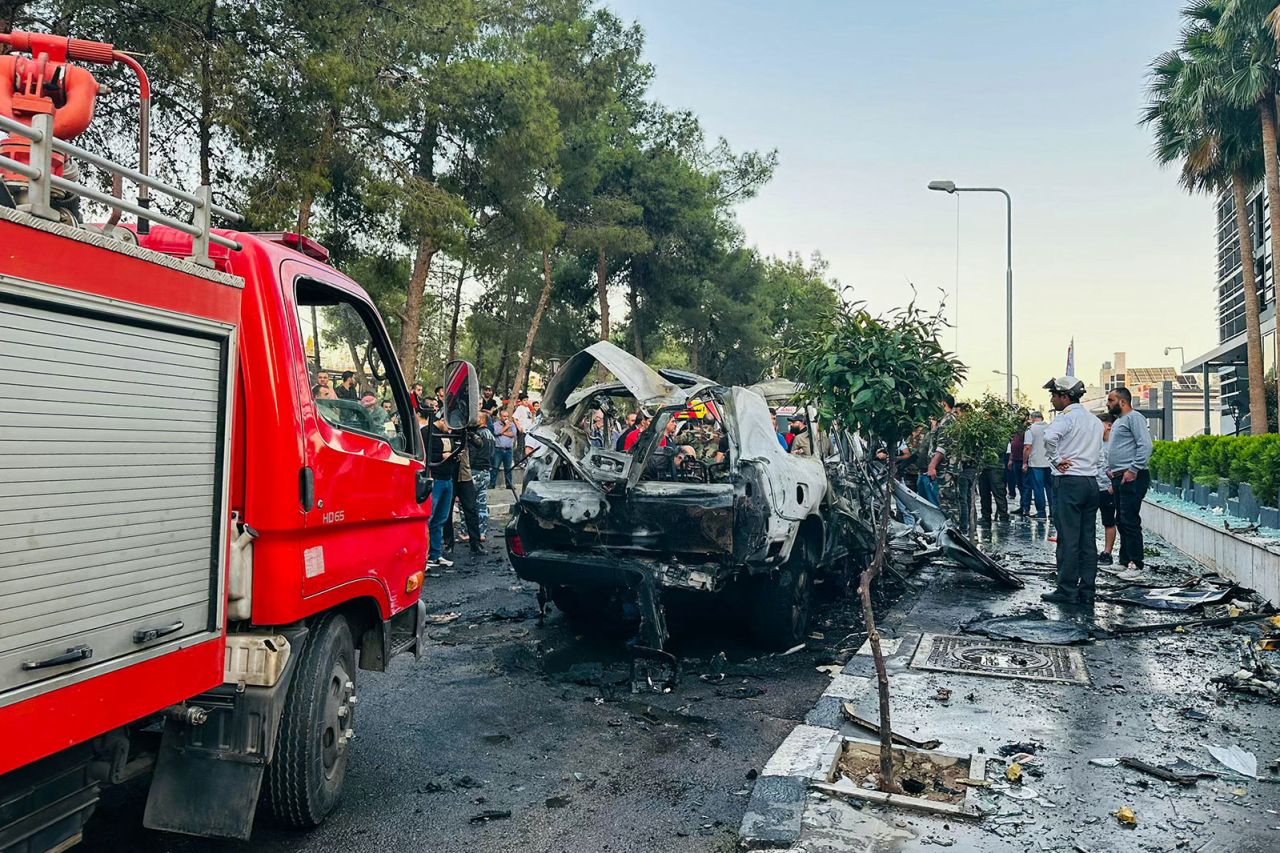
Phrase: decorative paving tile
[1001,659]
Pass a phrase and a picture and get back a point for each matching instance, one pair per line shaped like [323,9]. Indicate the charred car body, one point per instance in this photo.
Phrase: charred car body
[707,499]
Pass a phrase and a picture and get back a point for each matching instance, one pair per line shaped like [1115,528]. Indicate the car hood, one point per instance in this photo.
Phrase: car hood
[649,389]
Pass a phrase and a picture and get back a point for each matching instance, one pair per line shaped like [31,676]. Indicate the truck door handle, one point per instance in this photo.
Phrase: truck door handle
[307,488]
[146,635]
[69,656]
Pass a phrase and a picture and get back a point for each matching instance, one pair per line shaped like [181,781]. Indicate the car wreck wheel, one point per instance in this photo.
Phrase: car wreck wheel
[780,606]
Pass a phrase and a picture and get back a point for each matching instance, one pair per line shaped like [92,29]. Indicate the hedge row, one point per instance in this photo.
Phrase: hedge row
[1252,459]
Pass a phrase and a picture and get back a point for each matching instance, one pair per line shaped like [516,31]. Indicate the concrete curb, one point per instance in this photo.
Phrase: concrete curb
[807,755]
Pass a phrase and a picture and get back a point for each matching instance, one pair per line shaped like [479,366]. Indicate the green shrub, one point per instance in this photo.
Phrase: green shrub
[1169,461]
[1252,459]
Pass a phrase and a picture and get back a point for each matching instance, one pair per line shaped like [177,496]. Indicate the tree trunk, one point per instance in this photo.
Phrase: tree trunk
[869,574]
[526,355]
[694,352]
[457,307]
[634,299]
[500,375]
[304,211]
[362,381]
[602,290]
[1252,322]
[411,322]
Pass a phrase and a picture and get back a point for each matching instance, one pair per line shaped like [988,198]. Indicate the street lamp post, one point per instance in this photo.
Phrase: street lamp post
[950,187]
[1017,380]
[1182,356]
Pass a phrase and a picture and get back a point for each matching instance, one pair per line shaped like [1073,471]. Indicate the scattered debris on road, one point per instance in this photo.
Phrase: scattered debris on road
[1126,817]
[1236,759]
[902,740]
[1031,626]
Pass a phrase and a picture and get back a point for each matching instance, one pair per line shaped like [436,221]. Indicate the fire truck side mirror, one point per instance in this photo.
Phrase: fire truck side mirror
[461,395]
[423,486]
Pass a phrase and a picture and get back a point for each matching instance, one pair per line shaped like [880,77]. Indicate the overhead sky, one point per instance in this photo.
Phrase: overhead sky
[868,102]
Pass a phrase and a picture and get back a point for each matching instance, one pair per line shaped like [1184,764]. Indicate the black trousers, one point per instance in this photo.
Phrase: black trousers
[465,491]
[991,488]
[1128,516]
[1076,518]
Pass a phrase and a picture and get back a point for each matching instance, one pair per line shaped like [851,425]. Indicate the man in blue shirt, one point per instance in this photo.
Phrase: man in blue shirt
[1129,452]
[504,440]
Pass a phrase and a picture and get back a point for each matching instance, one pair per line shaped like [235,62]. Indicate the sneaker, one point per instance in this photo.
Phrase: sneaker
[1104,558]
[1017,512]
[1037,516]
[1060,596]
[440,563]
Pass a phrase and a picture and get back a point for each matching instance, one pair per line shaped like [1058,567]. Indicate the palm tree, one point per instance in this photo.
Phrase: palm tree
[1244,33]
[1218,145]
[1218,148]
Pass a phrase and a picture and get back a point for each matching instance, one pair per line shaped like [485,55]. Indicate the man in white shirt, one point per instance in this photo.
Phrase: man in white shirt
[1074,443]
[1035,469]
[523,418]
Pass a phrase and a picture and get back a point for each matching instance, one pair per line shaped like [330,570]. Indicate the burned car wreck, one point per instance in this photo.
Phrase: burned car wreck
[707,500]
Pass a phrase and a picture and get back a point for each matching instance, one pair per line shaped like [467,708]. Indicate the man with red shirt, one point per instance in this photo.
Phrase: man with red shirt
[630,437]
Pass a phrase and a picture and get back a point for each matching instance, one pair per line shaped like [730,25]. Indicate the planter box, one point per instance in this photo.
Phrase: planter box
[1269,517]
[1245,562]
[1202,495]
[844,787]
[1248,502]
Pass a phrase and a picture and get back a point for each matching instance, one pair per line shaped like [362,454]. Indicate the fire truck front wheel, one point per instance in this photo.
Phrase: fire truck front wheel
[304,779]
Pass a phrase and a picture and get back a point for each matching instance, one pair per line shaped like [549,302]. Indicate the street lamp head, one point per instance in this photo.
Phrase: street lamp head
[944,186]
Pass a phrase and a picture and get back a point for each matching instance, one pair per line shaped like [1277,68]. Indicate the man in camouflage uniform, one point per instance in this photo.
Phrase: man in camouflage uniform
[931,477]
[958,486]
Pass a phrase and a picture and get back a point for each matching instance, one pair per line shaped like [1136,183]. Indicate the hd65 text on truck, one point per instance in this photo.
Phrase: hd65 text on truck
[202,537]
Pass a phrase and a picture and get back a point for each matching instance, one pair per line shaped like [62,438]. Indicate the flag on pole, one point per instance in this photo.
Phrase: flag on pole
[1071,357]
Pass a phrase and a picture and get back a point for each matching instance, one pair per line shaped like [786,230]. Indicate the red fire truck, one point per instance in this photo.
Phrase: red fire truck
[202,539]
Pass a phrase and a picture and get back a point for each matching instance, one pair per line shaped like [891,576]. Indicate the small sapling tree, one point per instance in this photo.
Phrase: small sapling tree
[881,376]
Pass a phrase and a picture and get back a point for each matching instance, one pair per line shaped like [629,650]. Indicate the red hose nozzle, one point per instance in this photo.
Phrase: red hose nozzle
[59,48]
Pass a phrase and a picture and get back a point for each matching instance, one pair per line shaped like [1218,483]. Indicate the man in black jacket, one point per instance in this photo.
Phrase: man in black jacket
[442,460]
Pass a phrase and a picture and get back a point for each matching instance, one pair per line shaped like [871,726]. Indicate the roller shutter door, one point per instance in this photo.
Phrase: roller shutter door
[110,447]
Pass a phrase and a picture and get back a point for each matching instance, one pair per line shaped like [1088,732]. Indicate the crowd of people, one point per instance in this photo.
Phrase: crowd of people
[466,464]
[1068,473]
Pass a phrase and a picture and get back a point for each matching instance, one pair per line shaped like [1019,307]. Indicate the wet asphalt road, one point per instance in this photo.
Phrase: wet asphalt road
[504,714]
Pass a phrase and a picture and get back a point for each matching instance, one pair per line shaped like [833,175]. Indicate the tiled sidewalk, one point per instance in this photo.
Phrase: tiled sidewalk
[1134,706]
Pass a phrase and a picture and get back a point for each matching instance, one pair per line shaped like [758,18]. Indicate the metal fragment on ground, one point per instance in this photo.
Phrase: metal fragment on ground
[1236,759]
[1031,626]
[1170,598]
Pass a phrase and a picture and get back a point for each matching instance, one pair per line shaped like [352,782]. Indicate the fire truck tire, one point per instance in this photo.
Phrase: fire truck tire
[779,606]
[305,777]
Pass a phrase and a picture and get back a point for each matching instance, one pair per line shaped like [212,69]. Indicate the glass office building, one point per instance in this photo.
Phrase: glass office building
[1228,358]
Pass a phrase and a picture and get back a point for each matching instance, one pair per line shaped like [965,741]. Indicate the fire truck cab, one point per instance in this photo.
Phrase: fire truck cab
[203,533]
